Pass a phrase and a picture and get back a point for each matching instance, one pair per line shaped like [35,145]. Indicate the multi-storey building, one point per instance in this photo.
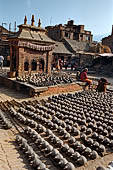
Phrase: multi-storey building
[70,31]
[108,41]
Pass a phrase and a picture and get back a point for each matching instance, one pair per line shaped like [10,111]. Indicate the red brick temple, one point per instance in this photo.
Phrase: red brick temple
[30,50]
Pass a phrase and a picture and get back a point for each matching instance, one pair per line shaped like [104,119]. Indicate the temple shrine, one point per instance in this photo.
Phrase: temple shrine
[30,50]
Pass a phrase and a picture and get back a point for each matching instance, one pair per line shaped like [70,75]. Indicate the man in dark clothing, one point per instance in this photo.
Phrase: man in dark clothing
[102,85]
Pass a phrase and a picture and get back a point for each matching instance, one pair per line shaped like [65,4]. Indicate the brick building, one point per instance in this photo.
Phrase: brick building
[30,50]
[60,52]
[108,41]
[70,31]
[4,44]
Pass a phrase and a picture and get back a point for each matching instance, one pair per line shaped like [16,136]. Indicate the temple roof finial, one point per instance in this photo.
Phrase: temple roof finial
[39,23]
[25,20]
[32,20]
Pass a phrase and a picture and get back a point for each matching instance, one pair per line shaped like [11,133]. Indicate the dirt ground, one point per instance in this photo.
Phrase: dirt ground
[10,158]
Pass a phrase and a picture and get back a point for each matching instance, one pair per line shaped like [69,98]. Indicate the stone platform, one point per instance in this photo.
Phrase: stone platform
[38,91]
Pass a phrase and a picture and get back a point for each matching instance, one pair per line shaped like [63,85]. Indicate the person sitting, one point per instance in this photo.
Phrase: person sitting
[78,75]
[84,77]
[102,85]
[1,61]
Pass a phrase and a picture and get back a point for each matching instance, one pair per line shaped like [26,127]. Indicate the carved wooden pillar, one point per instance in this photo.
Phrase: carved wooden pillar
[37,65]
[17,60]
[11,61]
[49,61]
[29,69]
[21,60]
[45,61]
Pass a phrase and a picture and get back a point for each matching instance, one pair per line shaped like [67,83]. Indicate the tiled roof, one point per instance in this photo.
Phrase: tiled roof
[77,45]
[36,35]
[61,49]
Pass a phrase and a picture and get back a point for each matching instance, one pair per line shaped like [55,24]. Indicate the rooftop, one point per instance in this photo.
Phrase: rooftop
[31,32]
[61,49]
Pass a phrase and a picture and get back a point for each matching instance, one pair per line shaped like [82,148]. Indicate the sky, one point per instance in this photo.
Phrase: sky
[96,15]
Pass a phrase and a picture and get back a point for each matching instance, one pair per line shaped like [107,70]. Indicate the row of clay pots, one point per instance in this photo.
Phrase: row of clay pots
[41,80]
[33,158]
[6,124]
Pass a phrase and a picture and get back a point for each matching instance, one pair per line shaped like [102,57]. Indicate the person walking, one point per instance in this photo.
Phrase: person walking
[1,61]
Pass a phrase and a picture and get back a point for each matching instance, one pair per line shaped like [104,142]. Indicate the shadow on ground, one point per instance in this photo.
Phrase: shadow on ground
[7,94]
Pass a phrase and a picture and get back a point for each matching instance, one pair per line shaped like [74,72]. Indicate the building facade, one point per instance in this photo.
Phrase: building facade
[30,50]
[4,44]
[60,52]
[108,41]
[70,31]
